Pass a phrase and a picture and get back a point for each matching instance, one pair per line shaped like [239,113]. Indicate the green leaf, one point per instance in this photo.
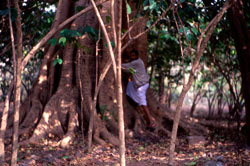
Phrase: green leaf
[54,62]
[60,61]
[148,24]
[145,3]
[152,5]
[132,71]
[123,31]
[190,163]
[65,157]
[182,1]
[62,41]
[74,33]
[185,29]
[64,32]
[128,9]
[57,60]
[90,31]
[108,18]
[112,44]
[49,20]
[52,41]
[195,31]
[79,8]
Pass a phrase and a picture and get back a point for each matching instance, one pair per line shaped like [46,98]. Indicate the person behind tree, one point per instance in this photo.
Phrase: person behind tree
[137,87]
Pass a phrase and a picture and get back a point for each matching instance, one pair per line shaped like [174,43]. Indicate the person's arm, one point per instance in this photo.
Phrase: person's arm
[130,67]
[126,66]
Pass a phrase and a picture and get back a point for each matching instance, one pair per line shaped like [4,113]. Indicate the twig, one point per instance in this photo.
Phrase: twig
[180,42]
[127,16]
[112,3]
[93,108]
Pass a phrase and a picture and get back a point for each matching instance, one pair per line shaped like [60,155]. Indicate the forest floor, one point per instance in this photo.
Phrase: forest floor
[223,146]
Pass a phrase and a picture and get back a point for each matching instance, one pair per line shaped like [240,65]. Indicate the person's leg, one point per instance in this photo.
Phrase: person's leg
[148,115]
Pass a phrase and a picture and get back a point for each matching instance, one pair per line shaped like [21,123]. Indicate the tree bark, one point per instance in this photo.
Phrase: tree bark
[17,77]
[241,36]
[162,93]
[195,101]
[4,124]
[119,85]
[7,99]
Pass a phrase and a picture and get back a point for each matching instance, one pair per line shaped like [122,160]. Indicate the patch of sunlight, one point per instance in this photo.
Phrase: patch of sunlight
[83,36]
[67,85]
[67,139]
[115,101]
[159,158]
[67,75]
[42,79]
[112,86]
[57,123]
[65,104]
[109,116]
[183,158]
[46,116]
[44,67]
[37,132]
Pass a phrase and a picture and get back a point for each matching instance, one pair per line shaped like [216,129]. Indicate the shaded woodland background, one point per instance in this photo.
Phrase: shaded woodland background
[60,78]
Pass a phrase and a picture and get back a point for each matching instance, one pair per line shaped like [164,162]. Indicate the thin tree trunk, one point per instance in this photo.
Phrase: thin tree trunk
[7,99]
[168,95]
[195,101]
[4,124]
[17,66]
[119,86]
[201,45]
[162,93]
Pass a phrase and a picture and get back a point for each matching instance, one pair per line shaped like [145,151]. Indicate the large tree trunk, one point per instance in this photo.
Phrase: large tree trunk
[241,35]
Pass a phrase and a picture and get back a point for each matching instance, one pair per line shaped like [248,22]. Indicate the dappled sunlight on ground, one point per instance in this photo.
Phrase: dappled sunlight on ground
[140,151]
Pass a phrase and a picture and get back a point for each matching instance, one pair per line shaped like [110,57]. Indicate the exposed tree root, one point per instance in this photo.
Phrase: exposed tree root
[32,116]
[68,138]
[167,115]
[54,115]
[97,137]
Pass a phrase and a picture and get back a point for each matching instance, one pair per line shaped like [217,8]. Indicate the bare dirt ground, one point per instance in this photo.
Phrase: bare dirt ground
[223,146]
